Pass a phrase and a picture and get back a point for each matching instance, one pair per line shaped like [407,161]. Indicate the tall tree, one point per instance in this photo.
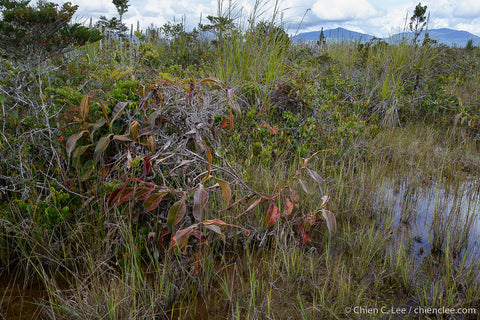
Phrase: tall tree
[418,21]
[122,7]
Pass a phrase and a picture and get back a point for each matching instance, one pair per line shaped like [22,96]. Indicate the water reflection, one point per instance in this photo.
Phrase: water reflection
[430,219]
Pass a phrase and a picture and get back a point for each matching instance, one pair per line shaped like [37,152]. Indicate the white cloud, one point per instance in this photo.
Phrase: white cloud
[377,17]
[341,10]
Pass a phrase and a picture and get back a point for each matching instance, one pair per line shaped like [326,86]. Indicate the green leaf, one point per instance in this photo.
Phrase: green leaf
[217,230]
[176,213]
[102,144]
[72,141]
[117,110]
[80,150]
[98,125]
[86,170]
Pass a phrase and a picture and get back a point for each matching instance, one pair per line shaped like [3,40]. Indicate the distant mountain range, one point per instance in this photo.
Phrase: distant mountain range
[445,36]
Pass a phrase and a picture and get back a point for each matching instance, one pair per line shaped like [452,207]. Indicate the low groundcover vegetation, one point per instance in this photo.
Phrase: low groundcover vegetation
[230,173]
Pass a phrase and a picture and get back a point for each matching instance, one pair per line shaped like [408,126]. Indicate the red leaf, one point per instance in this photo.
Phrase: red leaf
[273,214]
[145,193]
[180,239]
[288,207]
[294,195]
[305,237]
[147,165]
[154,200]
[114,196]
[224,123]
[217,222]
[125,195]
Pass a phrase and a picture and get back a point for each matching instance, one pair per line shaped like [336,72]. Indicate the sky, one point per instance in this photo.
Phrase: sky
[381,18]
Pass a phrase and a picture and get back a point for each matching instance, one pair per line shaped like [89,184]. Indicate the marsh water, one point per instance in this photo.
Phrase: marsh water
[429,219]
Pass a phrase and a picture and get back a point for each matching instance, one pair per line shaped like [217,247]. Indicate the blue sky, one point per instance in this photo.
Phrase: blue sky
[377,17]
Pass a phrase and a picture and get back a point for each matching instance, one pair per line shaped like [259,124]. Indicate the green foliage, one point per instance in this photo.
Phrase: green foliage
[418,21]
[47,213]
[111,26]
[39,32]
[122,7]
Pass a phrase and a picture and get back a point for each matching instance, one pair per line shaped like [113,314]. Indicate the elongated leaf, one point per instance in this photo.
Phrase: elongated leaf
[217,222]
[144,90]
[147,166]
[306,161]
[134,129]
[80,150]
[273,214]
[180,239]
[123,137]
[182,209]
[224,123]
[288,207]
[102,144]
[226,191]
[146,194]
[315,176]
[117,111]
[200,199]
[154,200]
[72,141]
[176,213]
[253,205]
[140,191]
[305,186]
[84,106]
[151,143]
[105,112]
[98,125]
[331,221]
[114,196]
[126,195]
[216,229]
